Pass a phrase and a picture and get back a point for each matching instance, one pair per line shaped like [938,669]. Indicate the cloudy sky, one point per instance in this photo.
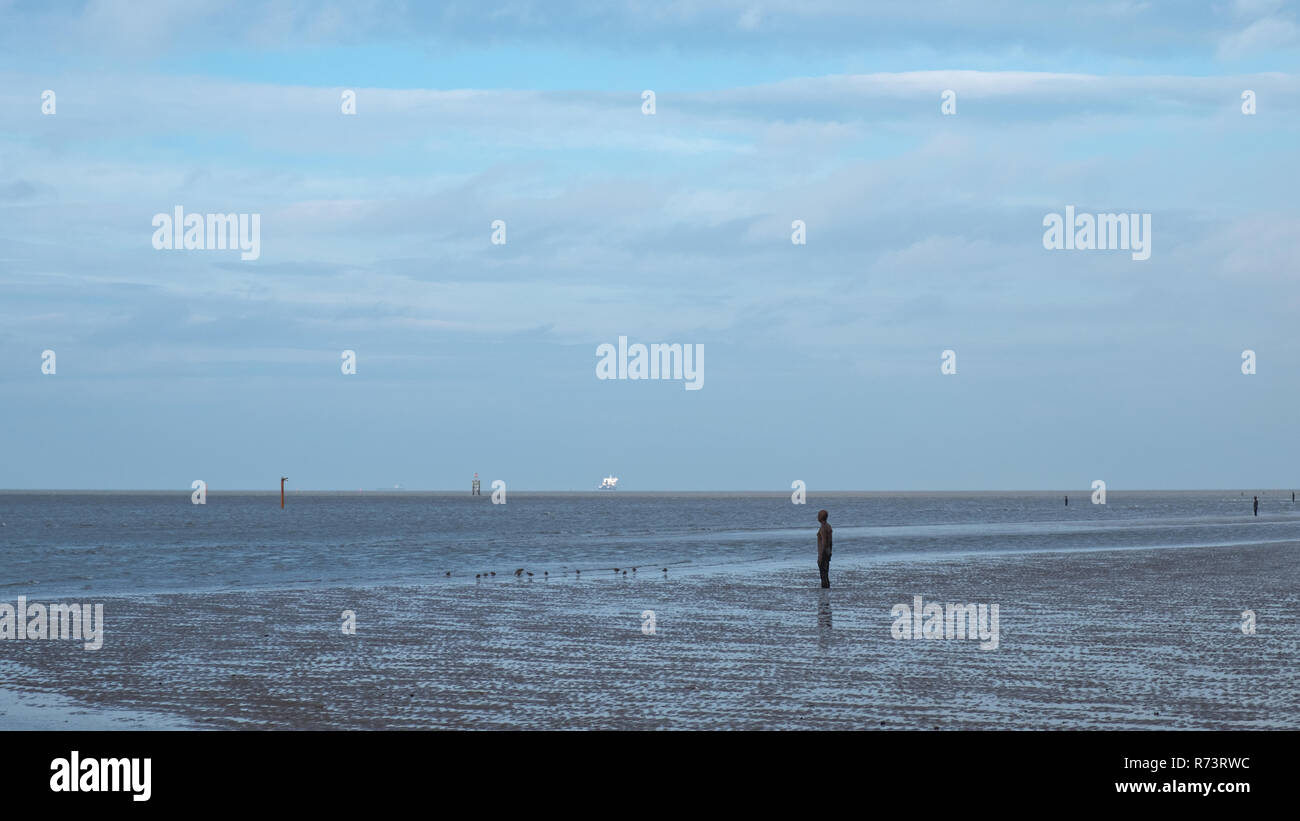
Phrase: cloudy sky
[924,233]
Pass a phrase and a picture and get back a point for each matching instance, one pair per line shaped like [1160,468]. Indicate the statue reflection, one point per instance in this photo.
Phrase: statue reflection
[824,617]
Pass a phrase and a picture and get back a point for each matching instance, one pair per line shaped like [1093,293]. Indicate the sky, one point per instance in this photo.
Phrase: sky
[924,233]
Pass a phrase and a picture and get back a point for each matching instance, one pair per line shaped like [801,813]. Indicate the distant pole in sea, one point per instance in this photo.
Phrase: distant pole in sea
[283,479]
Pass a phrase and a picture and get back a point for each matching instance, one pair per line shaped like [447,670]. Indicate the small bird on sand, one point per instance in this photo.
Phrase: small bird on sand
[616,570]
[448,573]
[530,575]
[478,575]
[634,570]
[624,572]
[519,571]
[546,572]
[665,570]
[578,572]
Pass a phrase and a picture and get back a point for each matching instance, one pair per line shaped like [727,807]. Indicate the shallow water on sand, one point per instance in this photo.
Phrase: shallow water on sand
[1119,639]
[229,615]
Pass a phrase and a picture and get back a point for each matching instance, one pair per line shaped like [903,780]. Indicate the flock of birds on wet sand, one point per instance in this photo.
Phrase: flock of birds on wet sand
[546,574]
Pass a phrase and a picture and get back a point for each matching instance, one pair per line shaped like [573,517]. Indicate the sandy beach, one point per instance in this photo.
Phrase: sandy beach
[1138,639]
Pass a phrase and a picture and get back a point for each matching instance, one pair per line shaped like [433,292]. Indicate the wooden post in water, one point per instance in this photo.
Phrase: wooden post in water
[283,479]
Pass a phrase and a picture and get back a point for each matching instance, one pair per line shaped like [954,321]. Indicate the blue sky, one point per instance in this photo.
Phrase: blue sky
[924,234]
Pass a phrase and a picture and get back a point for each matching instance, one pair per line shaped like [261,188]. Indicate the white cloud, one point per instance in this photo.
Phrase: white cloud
[1261,35]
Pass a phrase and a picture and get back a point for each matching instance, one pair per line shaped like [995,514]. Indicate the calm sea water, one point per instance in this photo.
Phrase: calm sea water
[59,544]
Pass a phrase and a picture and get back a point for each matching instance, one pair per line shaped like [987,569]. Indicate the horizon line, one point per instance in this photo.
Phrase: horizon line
[462,491]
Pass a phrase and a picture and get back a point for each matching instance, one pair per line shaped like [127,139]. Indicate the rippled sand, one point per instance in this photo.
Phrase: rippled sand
[1119,639]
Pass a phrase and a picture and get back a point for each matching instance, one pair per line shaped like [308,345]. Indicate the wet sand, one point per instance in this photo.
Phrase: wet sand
[32,709]
[1123,639]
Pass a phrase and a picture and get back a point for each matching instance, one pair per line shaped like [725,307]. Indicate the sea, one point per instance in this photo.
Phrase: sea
[66,544]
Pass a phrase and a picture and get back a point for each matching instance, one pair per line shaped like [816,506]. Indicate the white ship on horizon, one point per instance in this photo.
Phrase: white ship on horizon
[610,482]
